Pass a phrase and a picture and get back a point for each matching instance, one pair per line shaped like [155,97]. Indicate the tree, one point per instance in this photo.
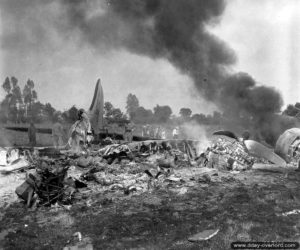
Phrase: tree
[71,115]
[14,81]
[49,111]
[108,108]
[5,103]
[13,97]
[297,105]
[199,118]
[6,85]
[132,105]
[162,113]
[27,91]
[143,116]
[29,95]
[26,94]
[37,112]
[111,112]
[4,110]
[34,96]
[15,100]
[30,84]
[12,104]
[117,113]
[16,94]
[185,113]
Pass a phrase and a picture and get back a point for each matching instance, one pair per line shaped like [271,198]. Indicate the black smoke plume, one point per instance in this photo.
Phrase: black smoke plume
[177,31]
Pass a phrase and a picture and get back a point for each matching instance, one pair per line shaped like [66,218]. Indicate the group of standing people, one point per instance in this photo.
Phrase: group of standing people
[159,132]
[58,133]
[154,132]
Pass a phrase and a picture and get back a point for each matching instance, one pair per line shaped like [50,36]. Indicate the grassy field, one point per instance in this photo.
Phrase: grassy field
[247,206]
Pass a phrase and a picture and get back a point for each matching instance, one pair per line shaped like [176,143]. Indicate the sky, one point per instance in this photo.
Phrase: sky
[264,34]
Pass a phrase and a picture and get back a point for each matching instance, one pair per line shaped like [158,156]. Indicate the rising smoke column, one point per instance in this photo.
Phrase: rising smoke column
[177,31]
[174,30]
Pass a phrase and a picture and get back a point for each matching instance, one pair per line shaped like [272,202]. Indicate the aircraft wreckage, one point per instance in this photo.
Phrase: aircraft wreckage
[56,175]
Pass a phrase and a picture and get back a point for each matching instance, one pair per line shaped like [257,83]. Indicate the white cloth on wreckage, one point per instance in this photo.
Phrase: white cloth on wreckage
[80,128]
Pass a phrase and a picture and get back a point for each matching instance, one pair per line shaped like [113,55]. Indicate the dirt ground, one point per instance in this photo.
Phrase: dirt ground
[244,206]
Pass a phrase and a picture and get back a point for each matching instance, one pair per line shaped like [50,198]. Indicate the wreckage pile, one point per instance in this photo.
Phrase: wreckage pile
[48,183]
[130,167]
[288,146]
[230,154]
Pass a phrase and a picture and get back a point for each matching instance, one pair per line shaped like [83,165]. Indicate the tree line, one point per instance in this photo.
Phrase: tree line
[18,105]
[22,106]
[164,114]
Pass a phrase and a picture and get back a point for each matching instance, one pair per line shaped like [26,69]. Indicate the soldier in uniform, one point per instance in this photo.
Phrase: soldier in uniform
[128,135]
[58,133]
[32,134]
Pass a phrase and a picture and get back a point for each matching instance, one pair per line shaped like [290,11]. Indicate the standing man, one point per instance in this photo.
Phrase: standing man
[158,132]
[144,131]
[32,134]
[152,131]
[175,133]
[148,130]
[58,132]
[128,135]
[163,134]
[114,128]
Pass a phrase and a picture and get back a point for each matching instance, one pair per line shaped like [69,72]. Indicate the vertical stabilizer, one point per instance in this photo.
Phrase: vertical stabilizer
[96,110]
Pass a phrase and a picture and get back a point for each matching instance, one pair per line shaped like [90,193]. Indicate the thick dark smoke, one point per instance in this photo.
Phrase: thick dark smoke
[254,107]
[241,96]
[175,30]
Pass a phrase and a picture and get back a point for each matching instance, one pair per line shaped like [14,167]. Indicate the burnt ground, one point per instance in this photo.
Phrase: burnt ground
[245,206]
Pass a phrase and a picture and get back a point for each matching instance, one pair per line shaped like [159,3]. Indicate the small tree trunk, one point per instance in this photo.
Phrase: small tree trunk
[26,114]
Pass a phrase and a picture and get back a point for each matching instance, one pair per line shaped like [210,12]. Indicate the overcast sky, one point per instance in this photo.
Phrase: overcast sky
[265,35]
